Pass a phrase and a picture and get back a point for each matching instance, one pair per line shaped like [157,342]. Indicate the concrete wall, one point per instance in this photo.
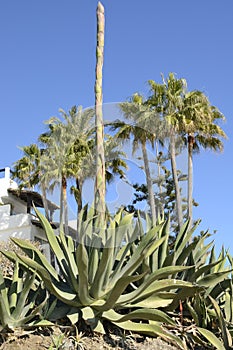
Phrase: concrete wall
[20,226]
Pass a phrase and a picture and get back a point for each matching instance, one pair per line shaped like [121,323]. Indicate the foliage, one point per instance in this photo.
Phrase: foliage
[21,299]
[137,281]
[97,278]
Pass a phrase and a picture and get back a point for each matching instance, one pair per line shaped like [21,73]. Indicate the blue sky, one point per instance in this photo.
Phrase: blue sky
[48,62]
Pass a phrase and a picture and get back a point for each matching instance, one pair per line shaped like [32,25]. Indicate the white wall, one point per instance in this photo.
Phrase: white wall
[15,226]
[6,183]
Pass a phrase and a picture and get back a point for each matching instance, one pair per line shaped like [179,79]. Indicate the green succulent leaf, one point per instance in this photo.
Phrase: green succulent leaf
[213,340]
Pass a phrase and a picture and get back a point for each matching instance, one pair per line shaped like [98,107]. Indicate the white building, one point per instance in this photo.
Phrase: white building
[16,214]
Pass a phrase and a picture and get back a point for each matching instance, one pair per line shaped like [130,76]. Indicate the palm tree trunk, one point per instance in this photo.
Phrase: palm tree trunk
[78,194]
[190,178]
[159,206]
[176,182]
[44,200]
[63,206]
[149,184]
[61,218]
[100,161]
[64,191]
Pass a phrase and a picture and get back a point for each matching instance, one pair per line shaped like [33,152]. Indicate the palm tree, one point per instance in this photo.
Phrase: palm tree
[114,166]
[80,125]
[29,171]
[57,161]
[100,162]
[167,99]
[190,118]
[70,145]
[138,115]
[199,126]
[67,142]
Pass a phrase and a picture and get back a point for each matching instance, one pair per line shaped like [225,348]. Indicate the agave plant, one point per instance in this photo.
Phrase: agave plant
[210,309]
[97,277]
[21,300]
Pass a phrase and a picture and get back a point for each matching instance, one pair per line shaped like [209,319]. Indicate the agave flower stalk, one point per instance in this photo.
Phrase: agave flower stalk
[100,161]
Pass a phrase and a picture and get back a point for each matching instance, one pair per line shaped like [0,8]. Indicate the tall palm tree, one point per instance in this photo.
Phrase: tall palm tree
[190,118]
[199,125]
[100,162]
[138,127]
[167,98]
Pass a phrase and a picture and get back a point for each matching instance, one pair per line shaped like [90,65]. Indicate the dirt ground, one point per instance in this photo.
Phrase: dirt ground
[57,342]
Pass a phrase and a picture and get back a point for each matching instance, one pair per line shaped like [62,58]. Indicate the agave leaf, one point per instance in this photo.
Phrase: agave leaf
[222,266]
[4,303]
[118,216]
[125,225]
[212,256]
[68,249]
[139,226]
[51,237]
[99,328]
[156,244]
[164,272]
[73,315]
[205,270]
[118,289]
[93,264]
[43,323]
[141,314]
[193,312]
[185,238]
[210,281]
[104,269]
[138,256]
[87,312]
[181,235]
[181,248]
[228,306]
[183,293]
[62,255]
[23,311]
[13,258]
[226,340]
[82,263]
[153,330]
[163,249]
[24,320]
[201,254]
[153,284]
[121,257]
[211,338]
[186,252]
[15,286]
[160,299]
[59,292]
[24,295]
[39,257]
